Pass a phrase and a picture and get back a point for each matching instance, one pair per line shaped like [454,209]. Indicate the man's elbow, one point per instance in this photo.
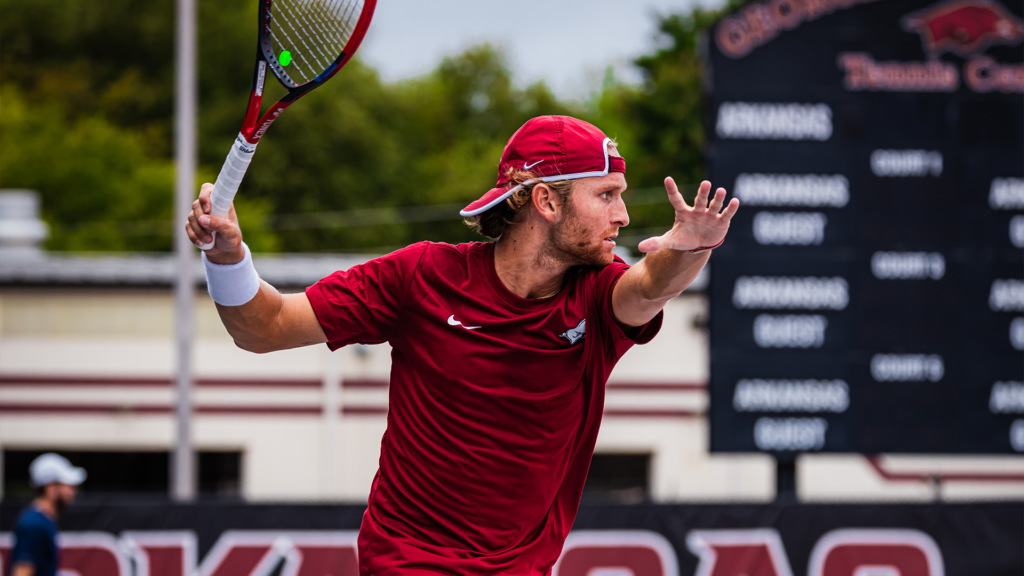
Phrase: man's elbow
[256,347]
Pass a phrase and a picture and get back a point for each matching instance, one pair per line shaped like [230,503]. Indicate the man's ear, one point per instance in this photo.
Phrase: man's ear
[546,202]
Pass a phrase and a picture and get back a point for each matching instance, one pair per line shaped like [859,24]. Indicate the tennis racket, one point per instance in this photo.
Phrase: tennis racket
[303,43]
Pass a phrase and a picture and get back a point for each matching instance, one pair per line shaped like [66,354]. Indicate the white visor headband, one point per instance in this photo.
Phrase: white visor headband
[555,178]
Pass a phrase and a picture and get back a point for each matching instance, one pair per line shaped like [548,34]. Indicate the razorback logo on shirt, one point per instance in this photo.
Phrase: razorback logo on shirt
[574,335]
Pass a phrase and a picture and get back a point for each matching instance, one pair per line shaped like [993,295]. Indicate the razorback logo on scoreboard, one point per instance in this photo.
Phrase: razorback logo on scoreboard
[964,27]
[743,552]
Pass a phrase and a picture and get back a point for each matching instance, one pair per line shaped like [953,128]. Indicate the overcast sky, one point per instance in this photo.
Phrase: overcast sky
[567,43]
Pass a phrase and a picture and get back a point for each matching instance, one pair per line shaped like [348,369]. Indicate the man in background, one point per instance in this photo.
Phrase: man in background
[35,550]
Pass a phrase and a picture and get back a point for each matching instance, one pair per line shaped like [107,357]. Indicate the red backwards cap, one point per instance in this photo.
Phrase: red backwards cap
[554,148]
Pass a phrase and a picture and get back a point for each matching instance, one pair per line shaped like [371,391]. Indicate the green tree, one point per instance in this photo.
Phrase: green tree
[356,143]
[101,190]
[87,119]
[664,117]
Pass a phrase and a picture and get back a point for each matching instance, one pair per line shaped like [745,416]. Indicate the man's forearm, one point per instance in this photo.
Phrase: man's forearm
[645,288]
[251,325]
[255,314]
[666,273]
[272,321]
[670,264]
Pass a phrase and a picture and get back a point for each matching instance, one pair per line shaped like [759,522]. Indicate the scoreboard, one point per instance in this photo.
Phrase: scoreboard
[870,295]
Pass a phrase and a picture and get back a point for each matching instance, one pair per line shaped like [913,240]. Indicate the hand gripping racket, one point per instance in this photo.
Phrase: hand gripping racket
[302,43]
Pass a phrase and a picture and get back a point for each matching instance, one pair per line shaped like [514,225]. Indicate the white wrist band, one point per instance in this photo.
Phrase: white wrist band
[232,284]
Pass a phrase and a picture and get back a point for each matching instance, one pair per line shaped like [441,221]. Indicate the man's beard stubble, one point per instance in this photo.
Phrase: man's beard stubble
[571,242]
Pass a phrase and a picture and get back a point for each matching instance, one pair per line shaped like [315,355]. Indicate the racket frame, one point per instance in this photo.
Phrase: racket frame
[255,126]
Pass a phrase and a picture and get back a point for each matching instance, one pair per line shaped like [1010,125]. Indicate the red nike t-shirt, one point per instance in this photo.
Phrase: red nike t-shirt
[495,405]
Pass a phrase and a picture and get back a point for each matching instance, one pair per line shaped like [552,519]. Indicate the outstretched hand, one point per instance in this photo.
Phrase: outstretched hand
[697,227]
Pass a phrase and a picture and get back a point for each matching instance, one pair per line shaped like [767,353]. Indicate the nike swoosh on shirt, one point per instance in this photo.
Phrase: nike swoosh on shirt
[453,322]
[528,166]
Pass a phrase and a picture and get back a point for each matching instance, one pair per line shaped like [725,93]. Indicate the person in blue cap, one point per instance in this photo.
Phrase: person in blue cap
[35,551]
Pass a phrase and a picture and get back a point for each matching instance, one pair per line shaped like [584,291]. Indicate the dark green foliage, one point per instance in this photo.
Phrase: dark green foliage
[87,119]
[666,115]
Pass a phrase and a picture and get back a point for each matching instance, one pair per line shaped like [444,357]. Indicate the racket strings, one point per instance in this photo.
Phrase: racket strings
[316,19]
[300,27]
[324,28]
[297,70]
[316,53]
[313,32]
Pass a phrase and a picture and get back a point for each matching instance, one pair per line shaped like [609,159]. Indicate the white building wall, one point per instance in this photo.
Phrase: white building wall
[92,369]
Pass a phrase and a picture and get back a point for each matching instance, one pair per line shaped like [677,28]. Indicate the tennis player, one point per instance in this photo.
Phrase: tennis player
[501,350]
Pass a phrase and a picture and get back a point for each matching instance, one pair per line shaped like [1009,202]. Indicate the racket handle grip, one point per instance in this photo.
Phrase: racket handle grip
[230,177]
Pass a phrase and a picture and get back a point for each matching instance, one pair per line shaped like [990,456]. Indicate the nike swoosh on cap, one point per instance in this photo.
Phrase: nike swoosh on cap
[453,322]
[528,166]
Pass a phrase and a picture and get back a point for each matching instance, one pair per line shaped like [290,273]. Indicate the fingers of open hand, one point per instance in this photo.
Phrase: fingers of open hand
[674,196]
[730,210]
[717,201]
[651,244]
[700,204]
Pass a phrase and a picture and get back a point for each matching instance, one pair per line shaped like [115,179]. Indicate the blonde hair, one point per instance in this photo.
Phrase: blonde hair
[496,221]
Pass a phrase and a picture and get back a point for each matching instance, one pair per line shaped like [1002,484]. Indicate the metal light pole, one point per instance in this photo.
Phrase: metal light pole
[183,464]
